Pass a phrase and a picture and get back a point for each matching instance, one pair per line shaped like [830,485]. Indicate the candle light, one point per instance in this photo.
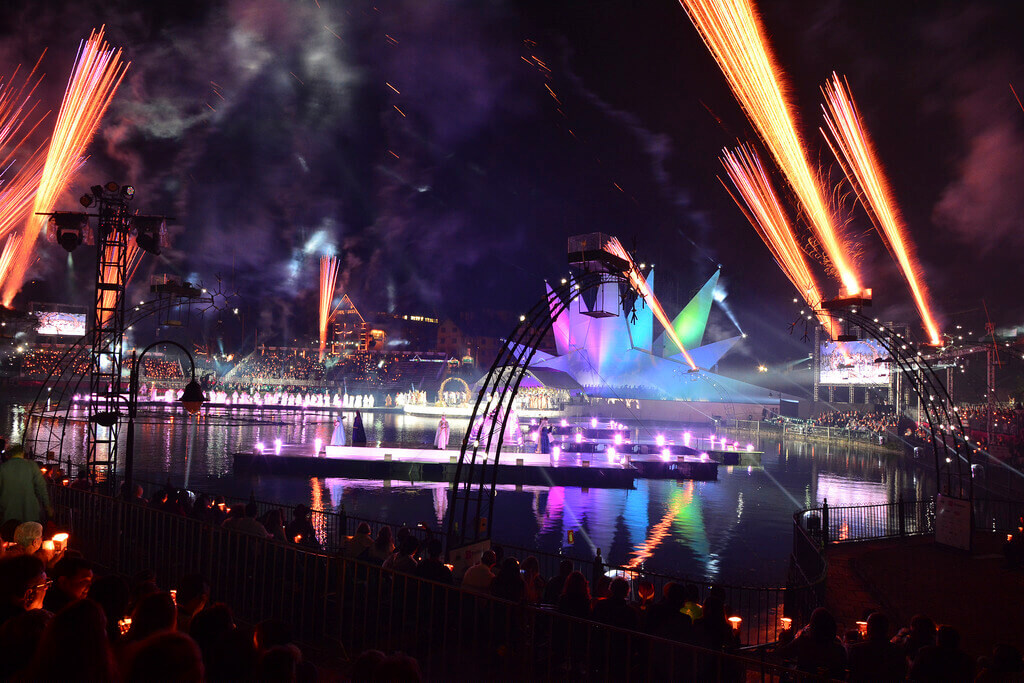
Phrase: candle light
[735,621]
[125,624]
[1009,538]
[862,626]
[787,623]
[298,537]
[174,596]
[48,545]
[60,541]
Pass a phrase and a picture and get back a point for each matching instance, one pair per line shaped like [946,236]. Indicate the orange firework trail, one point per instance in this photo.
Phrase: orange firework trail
[133,259]
[97,73]
[17,123]
[855,153]
[762,207]
[733,34]
[639,282]
[328,281]
[8,255]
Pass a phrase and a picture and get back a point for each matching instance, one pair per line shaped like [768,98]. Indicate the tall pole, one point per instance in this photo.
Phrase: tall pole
[105,382]
[133,408]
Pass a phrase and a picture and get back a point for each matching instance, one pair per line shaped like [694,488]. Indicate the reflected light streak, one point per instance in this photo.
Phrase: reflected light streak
[856,154]
[735,37]
[659,531]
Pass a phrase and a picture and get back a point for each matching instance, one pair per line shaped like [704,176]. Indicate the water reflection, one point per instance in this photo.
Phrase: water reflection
[737,528]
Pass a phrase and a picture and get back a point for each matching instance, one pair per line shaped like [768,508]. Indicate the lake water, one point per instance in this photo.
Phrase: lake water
[737,529]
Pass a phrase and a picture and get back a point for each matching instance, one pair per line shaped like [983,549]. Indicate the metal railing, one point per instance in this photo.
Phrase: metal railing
[760,607]
[346,605]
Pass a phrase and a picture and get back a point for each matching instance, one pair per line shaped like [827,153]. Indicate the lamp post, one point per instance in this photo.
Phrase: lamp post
[192,399]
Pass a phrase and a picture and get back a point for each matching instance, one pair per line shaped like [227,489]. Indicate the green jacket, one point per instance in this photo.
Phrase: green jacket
[22,491]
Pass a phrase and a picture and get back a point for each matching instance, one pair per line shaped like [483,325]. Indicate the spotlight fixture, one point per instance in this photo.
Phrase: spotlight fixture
[112,186]
[86,200]
[192,397]
[128,191]
[69,228]
[150,229]
[97,190]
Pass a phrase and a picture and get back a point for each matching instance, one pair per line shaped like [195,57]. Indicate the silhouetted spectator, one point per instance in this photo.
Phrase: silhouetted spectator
[74,647]
[19,639]
[920,634]
[271,633]
[400,668]
[615,610]
[154,613]
[273,522]
[480,576]
[575,598]
[364,667]
[358,546]
[1004,664]
[816,646]
[403,560]
[535,583]
[246,522]
[192,596]
[666,618]
[358,432]
[944,661]
[300,529]
[508,584]
[692,606]
[23,585]
[113,594]
[29,537]
[382,546]
[431,568]
[553,590]
[166,656]
[876,659]
[22,488]
[72,577]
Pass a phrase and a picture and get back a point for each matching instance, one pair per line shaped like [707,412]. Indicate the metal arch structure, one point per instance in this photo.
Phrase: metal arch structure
[950,444]
[63,375]
[481,447]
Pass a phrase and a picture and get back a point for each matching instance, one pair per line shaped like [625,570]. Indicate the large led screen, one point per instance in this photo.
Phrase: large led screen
[60,324]
[853,363]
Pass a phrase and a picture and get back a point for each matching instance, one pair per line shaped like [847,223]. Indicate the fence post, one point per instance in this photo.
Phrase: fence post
[901,520]
[824,522]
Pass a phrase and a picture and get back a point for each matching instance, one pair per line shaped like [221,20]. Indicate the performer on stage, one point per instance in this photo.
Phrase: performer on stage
[544,442]
[358,433]
[338,437]
[443,432]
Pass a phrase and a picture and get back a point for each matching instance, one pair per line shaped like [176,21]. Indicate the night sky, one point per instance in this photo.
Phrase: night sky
[269,130]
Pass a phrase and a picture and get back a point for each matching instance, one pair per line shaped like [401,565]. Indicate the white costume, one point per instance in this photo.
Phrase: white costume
[443,433]
[338,437]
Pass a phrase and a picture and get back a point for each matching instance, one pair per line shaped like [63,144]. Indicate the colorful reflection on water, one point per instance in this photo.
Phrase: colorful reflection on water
[736,529]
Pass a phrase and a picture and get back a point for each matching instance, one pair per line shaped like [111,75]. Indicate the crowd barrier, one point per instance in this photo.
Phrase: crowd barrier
[760,607]
[345,606]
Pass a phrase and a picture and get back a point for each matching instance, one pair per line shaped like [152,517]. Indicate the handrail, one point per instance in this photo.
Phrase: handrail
[341,603]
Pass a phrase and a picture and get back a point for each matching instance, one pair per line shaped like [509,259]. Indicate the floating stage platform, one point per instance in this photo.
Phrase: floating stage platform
[578,469]
[413,464]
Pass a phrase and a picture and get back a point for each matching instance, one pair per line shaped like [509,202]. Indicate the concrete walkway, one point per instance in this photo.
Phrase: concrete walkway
[976,593]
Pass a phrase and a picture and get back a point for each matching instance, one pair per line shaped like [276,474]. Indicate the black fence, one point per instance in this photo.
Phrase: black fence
[343,606]
[761,608]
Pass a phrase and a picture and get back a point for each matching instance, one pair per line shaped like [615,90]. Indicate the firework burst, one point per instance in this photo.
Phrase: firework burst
[734,35]
[328,281]
[639,282]
[97,73]
[760,204]
[853,149]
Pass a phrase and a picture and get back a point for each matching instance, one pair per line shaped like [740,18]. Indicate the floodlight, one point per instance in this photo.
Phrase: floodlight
[69,228]
[150,231]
